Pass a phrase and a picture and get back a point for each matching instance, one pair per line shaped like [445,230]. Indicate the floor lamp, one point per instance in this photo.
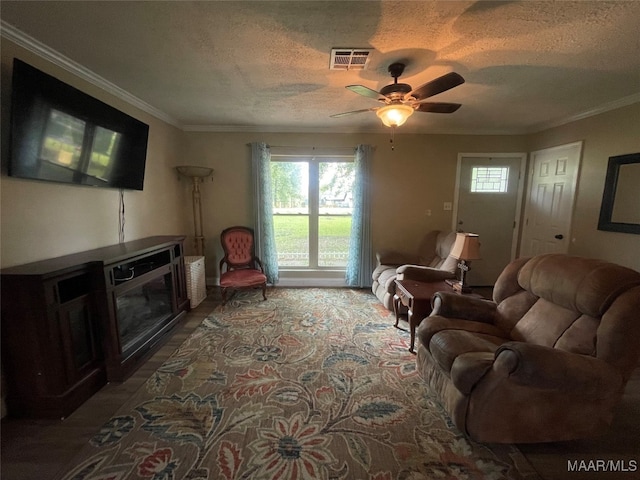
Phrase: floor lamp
[197,174]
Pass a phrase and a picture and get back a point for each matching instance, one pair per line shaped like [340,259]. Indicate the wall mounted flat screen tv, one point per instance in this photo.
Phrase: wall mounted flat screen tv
[61,134]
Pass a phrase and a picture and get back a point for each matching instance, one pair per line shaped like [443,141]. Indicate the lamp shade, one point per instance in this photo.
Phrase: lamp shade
[466,247]
[394,115]
[194,172]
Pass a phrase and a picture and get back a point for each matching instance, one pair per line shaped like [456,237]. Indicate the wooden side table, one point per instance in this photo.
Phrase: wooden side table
[416,296]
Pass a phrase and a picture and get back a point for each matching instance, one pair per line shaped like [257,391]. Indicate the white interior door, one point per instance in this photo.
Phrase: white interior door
[489,193]
[553,174]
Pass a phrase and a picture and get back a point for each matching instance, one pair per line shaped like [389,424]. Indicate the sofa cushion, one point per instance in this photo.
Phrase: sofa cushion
[245,277]
[544,323]
[434,253]
[550,325]
[581,284]
[512,309]
[386,277]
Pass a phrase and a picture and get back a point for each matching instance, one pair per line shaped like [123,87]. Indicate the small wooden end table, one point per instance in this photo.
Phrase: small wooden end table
[416,296]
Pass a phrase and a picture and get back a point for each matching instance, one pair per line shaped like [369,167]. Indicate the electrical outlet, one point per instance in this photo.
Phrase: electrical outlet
[427,212]
[448,206]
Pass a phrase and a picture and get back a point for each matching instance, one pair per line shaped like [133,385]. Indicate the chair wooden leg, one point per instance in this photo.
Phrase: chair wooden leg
[264,291]
[224,295]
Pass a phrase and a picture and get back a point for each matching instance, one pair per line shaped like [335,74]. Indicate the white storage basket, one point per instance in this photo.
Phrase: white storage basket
[196,282]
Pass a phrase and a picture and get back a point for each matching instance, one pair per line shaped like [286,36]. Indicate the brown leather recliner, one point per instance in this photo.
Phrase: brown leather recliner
[547,360]
[431,263]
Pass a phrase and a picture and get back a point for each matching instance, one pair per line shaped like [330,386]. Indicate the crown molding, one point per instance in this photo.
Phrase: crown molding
[272,129]
[209,128]
[622,102]
[29,43]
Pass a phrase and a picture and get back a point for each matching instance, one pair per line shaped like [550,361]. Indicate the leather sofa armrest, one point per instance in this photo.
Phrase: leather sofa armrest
[467,369]
[393,257]
[552,369]
[421,273]
[454,305]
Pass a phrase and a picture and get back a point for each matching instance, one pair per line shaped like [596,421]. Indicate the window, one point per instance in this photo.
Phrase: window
[489,179]
[312,210]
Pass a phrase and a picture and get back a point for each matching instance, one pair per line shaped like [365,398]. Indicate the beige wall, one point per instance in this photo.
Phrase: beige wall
[418,175]
[42,220]
[612,133]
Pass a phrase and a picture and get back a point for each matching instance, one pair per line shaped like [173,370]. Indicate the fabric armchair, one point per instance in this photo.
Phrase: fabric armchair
[547,360]
[430,263]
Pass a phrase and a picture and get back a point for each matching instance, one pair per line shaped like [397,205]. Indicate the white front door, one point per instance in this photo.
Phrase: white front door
[489,194]
[553,174]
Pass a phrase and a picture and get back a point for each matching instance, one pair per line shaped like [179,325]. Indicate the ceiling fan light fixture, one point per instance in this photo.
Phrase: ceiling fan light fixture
[394,115]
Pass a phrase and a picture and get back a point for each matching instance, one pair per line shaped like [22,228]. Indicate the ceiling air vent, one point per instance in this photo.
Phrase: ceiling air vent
[350,58]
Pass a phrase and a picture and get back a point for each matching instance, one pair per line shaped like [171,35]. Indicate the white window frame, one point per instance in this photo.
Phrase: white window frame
[312,274]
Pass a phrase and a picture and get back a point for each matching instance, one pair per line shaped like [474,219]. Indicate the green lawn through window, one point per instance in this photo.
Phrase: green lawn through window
[292,241]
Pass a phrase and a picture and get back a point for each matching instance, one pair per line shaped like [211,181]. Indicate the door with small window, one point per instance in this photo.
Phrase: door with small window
[488,198]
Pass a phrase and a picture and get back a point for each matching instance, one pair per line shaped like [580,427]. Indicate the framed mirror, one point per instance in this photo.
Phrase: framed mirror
[620,209]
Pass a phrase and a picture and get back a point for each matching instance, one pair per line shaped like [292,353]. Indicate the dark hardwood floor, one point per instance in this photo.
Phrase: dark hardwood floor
[40,449]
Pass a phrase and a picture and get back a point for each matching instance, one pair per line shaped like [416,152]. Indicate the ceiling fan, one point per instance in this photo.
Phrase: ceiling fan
[401,100]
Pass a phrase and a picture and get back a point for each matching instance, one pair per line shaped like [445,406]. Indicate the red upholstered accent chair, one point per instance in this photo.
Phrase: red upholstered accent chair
[243,268]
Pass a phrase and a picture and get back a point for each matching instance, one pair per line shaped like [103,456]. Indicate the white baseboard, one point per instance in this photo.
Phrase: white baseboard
[311,282]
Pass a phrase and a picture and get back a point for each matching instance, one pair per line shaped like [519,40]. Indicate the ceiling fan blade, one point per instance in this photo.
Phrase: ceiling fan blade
[365,91]
[434,87]
[344,114]
[438,107]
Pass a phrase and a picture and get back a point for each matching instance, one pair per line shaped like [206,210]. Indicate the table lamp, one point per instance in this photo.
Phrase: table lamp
[466,248]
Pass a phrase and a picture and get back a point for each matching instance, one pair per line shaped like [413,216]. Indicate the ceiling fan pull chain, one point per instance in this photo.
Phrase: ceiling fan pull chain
[393,129]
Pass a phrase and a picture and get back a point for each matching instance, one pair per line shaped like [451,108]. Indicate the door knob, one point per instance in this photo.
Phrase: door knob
[559,236]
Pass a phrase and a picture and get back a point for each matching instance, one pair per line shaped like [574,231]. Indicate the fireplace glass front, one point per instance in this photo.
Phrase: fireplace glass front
[143,310]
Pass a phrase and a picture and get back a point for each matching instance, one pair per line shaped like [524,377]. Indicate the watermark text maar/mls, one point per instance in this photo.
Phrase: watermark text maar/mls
[602,466]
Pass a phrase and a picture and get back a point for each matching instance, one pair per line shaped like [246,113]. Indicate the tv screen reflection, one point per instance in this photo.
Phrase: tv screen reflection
[82,152]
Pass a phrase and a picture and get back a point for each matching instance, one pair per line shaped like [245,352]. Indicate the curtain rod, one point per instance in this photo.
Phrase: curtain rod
[307,146]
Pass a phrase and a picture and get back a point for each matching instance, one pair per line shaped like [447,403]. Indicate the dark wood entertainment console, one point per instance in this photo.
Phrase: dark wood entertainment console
[71,324]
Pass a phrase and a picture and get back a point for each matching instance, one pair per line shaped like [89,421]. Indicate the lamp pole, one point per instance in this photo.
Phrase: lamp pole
[196,174]
[197,217]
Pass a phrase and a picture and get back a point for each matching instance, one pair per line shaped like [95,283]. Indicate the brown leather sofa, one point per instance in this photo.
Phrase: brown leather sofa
[547,360]
[430,263]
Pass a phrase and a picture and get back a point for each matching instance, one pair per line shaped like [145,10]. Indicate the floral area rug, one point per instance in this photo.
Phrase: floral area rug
[312,383]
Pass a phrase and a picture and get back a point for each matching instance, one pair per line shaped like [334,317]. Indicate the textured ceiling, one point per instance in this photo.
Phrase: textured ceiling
[241,65]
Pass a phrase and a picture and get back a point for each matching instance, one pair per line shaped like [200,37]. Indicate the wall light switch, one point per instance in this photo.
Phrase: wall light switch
[448,206]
